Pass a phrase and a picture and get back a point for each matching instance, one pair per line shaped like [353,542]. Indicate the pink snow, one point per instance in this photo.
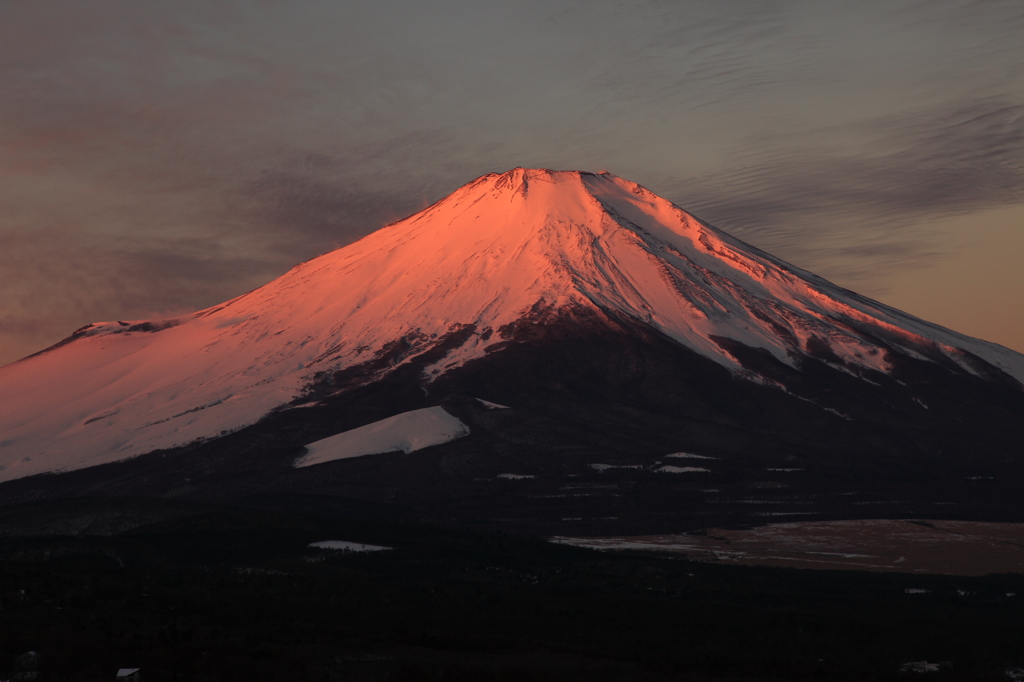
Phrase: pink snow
[487,255]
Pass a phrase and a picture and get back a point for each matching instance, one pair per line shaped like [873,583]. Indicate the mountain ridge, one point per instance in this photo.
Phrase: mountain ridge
[502,251]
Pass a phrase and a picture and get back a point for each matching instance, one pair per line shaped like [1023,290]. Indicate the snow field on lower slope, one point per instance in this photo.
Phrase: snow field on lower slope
[111,396]
[408,432]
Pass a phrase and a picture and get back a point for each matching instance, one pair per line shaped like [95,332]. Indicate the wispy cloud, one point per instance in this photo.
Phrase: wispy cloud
[863,205]
[163,156]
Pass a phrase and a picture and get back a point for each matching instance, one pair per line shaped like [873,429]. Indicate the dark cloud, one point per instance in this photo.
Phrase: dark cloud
[864,205]
[52,285]
[312,202]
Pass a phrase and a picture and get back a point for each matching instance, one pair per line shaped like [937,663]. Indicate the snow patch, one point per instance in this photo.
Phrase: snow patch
[516,477]
[346,546]
[782,513]
[492,406]
[689,455]
[669,469]
[606,467]
[408,432]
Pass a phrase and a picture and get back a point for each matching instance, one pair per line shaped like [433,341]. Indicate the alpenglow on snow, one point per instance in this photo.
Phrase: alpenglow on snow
[522,244]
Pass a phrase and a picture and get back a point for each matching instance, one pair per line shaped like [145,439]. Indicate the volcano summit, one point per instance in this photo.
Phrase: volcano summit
[619,331]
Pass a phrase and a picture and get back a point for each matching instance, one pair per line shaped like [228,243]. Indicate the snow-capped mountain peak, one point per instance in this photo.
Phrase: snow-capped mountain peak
[529,244]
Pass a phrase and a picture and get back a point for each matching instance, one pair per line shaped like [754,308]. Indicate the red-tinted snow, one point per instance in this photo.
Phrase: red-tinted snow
[492,406]
[484,256]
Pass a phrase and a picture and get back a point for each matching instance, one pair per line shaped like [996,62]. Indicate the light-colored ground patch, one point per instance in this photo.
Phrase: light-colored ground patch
[689,455]
[669,469]
[491,406]
[606,467]
[515,477]
[346,546]
[949,547]
[408,432]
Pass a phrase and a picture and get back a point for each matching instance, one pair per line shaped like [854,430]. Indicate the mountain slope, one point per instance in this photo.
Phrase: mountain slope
[451,285]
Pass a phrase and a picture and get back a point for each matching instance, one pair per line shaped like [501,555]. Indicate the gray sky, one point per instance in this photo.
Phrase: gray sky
[161,157]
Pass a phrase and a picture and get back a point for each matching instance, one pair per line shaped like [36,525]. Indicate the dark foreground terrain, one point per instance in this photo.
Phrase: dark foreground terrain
[221,594]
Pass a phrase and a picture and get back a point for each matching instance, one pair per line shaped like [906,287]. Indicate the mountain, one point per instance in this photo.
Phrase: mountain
[618,330]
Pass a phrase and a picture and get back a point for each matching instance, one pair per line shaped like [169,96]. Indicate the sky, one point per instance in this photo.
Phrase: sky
[161,157]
